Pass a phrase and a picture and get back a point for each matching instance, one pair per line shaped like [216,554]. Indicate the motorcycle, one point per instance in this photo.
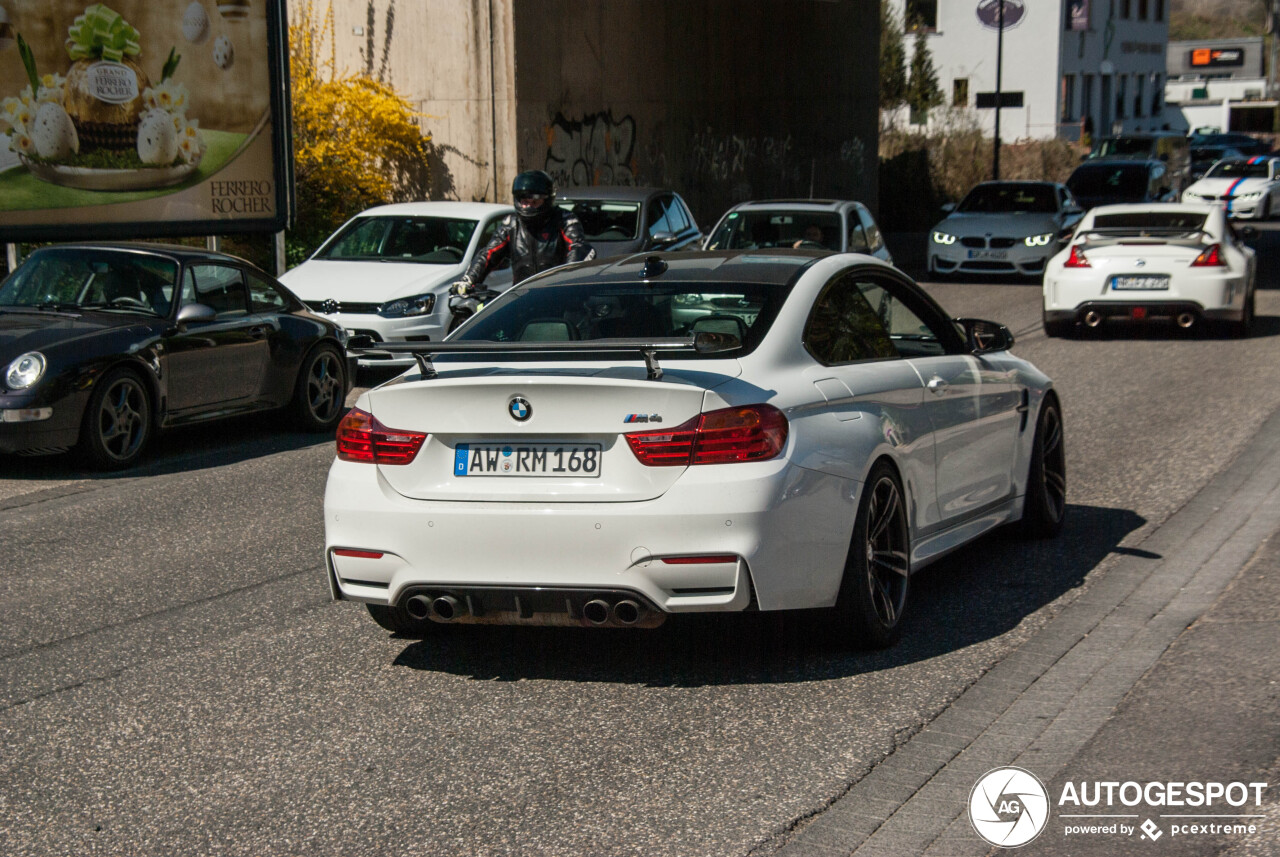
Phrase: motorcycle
[462,307]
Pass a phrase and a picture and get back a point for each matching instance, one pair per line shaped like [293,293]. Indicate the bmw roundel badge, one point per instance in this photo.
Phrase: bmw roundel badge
[520,409]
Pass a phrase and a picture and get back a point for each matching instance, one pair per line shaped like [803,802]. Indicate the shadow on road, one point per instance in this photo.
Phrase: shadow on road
[973,595]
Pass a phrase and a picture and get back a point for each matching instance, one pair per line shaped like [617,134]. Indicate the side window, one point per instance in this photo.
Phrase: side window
[658,221]
[220,287]
[264,297]
[857,236]
[685,213]
[874,239]
[843,327]
[675,216]
[910,334]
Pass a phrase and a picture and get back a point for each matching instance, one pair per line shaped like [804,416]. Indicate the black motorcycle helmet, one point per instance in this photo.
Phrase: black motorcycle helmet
[534,193]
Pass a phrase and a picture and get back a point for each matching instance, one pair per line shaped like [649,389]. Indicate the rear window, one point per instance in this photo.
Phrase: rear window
[581,312]
[606,221]
[1153,221]
[749,230]
[1121,181]
[1126,146]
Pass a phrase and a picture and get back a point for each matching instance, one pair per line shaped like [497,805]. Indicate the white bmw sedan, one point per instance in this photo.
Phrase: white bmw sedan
[1156,262]
[1248,188]
[613,442]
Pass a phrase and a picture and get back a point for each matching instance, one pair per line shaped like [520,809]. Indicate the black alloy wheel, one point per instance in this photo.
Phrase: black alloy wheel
[873,593]
[1045,505]
[117,422]
[320,397]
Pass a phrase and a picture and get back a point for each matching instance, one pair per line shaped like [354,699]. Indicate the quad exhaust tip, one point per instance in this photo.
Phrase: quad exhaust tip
[418,606]
[627,612]
[596,611]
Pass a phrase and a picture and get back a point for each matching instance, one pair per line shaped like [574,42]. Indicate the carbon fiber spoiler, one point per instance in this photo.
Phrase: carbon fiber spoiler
[706,342]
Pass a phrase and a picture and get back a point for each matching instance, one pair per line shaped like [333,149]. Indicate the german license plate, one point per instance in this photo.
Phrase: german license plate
[1140,282]
[527,459]
[988,254]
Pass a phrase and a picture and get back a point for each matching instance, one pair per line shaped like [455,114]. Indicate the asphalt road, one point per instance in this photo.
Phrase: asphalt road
[175,680]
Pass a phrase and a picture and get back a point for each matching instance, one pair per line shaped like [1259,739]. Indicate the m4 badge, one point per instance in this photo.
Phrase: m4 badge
[643,418]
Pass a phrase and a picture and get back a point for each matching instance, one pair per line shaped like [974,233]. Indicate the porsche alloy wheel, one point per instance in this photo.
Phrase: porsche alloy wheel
[873,594]
[320,396]
[117,422]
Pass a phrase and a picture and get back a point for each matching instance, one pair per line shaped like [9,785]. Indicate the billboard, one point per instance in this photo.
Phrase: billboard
[143,118]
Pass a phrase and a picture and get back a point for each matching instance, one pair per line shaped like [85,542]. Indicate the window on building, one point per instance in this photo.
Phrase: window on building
[922,15]
[1121,87]
[1142,10]
[1068,97]
[1159,10]
[960,92]
[1126,9]
[1157,89]
[1086,96]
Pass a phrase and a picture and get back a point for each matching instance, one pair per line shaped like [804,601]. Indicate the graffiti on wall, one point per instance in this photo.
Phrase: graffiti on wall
[596,149]
[721,156]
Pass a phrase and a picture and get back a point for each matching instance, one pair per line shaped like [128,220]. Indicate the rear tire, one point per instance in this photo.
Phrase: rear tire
[319,397]
[398,621]
[1045,506]
[1244,327]
[117,422]
[873,592]
[1059,329]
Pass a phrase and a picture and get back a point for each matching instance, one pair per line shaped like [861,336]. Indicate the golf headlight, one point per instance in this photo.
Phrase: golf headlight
[25,371]
[943,238]
[1038,240]
[417,305]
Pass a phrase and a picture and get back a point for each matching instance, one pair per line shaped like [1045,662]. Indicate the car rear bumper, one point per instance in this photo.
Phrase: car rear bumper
[1094,313]
[780,531]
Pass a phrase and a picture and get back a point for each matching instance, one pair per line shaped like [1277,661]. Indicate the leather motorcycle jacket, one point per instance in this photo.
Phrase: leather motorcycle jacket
[533,246]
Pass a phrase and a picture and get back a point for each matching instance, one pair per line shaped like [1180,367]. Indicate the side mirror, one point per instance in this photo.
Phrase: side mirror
[984,337]
[662,239]
[949,207]
[196,312]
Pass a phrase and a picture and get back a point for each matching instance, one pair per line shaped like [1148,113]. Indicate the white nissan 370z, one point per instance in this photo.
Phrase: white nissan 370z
[612,442]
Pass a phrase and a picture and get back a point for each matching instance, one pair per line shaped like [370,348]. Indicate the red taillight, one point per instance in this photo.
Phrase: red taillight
[1076,259]
[357,554]
[751,433]
[362,438]
[1210,257]
[699,560]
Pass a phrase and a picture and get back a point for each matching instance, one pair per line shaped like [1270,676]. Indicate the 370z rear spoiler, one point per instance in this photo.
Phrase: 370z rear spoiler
[705,342]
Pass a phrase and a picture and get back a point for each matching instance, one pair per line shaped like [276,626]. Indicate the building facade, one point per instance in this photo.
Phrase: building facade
[1066,67]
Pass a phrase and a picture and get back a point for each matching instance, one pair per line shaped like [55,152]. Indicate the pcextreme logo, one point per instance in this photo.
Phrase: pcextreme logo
[1008,807]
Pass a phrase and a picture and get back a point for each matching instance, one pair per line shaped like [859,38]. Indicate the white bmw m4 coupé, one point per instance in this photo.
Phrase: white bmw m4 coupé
[613,442]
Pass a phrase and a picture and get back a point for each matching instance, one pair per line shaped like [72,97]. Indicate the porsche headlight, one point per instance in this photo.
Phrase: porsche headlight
[1038,240]
[943,238]
[417,305]
[25,371]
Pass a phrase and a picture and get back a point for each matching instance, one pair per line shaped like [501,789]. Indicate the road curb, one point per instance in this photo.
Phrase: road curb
[1039,706]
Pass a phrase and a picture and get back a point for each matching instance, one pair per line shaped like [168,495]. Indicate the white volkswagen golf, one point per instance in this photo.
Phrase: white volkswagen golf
[613,442]
[386,272]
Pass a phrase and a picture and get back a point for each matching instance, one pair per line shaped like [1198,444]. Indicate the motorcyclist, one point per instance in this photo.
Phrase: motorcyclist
[537,237]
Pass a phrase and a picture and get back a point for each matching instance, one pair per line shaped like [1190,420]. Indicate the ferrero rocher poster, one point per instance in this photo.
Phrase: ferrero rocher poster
[142,118]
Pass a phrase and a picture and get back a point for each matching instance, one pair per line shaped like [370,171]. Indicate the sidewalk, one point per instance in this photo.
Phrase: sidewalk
[1119,686]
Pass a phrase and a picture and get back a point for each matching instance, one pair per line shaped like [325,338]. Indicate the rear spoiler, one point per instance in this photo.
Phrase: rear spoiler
[705,342]
[1137,234]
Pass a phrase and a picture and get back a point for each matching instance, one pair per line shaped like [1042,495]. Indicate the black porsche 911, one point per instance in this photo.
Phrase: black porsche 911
[102,345]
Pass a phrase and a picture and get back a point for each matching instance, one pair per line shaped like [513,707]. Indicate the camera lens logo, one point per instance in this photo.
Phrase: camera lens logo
[1009,807]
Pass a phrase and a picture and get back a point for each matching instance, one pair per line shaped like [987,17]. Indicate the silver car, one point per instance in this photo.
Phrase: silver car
[844,226]
[1004,228]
